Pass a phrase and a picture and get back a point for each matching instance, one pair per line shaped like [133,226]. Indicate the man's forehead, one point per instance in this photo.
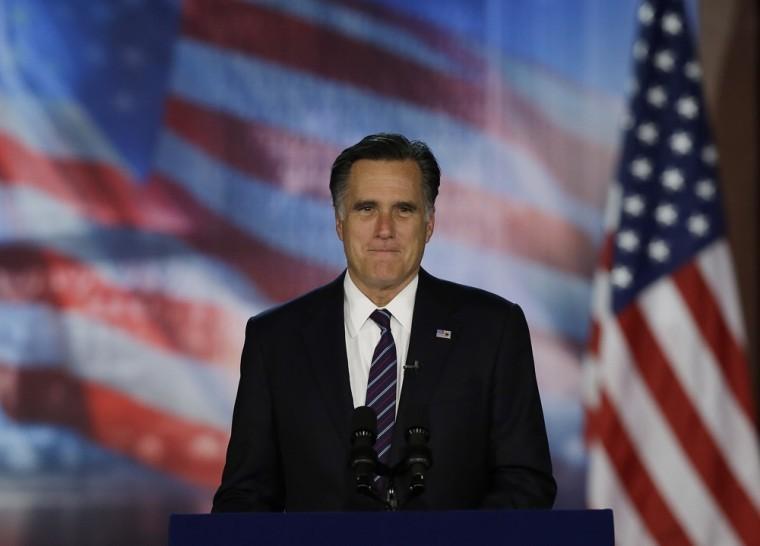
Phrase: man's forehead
[369,175]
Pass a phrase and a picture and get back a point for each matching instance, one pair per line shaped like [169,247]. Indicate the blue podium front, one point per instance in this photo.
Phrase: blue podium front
[506,527]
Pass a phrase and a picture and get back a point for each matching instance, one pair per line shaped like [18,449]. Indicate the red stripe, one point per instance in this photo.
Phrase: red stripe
[607,253]
[197,329]
[478,217]
[687,425]
[186,449]
[301,165]
[278,275]
[709,319]
[99,190]
[595,336]
[641,490]
[297,43]
[425,31]
[297,164]
[105,195]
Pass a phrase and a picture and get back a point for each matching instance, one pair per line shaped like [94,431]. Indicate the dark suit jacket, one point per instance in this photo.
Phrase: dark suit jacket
[289,447]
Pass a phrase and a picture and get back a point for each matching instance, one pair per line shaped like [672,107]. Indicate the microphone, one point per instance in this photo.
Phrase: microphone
[418,455]
[363,454]
[416,365]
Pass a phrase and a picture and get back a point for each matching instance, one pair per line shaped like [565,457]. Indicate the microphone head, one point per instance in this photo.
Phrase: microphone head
[419,428]
[364,419]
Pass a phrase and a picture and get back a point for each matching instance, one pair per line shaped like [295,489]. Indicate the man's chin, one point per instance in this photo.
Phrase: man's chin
[389,282]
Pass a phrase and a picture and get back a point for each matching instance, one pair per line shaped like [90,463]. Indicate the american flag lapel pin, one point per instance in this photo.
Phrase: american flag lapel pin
[443,334]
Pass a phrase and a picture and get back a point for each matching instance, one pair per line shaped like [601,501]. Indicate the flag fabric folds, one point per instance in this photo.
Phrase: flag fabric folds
[671,428]
[163,176]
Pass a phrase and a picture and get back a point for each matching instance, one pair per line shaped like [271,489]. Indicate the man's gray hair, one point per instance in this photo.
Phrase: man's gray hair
[386,146]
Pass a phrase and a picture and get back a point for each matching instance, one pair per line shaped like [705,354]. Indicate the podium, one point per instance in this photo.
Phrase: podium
[504,527]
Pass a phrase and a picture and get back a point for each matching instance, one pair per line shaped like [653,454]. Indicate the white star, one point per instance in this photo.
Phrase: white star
[133,56]
[628,240]
[646,13]
[664,60]
[693,71]
[698,224]
[205,446]
[709,154]
[123,101]
[150,447]
[647,133]
[656,96]
[666,214]
[634,205]
[672,179]
[621,276]
[658,250]
[671,23]
[687,107]
[641,168]
[706,189]
[680,142]
[640,50]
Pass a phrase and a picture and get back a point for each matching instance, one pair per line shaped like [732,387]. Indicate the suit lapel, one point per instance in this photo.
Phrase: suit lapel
[325,341]
[429,347]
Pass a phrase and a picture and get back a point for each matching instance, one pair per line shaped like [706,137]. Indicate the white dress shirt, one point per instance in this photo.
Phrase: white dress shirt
[362,333]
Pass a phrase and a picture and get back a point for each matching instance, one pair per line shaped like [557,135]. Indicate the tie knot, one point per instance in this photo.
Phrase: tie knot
[382,318]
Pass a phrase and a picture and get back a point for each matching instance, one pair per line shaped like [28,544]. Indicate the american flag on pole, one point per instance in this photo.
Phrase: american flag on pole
[670,417]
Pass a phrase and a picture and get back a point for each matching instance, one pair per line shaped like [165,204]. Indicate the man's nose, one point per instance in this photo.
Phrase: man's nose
[384,227]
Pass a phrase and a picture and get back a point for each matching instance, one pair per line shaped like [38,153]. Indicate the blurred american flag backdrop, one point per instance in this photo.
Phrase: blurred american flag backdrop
[163,176]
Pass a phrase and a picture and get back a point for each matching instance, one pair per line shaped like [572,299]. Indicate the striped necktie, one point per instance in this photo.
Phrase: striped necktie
[381,385]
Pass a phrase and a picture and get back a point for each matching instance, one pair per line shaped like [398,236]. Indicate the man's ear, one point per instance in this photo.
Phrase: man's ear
[430,227]
[338,226]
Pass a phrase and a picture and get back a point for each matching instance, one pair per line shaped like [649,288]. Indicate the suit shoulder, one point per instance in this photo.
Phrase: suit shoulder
[470,296]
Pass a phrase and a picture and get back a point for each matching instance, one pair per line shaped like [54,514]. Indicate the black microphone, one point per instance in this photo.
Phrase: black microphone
[418,455]
[416,365]
[363,454]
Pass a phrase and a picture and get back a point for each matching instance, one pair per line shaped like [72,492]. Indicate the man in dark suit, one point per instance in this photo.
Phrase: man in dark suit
[389,335]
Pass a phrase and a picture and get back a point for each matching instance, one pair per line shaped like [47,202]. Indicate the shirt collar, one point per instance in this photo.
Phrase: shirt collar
[360,307]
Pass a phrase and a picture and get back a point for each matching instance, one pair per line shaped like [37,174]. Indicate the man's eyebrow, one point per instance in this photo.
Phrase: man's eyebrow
[364,203]
[406,204]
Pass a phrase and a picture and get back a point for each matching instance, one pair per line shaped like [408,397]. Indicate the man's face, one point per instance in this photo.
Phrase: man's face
[383,226]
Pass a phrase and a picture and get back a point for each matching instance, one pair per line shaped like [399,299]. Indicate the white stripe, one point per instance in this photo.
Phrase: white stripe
[306,229]
[391,366]
[601,295]
[379,455]
[600,308]
[659,451]
[613,209]
[699,374]
[391,405]
[715,264]
[364,28]
[381,354]
[565,104]
[146,261]
[376,398]
[606,491]
[57,128]
[254,90]
[386,429]
[97,352]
